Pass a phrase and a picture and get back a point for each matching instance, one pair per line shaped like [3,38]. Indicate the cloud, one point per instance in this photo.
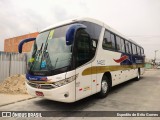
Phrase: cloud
[137,19]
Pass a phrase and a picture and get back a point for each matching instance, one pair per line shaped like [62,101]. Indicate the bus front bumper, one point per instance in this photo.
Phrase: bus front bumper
[65,93]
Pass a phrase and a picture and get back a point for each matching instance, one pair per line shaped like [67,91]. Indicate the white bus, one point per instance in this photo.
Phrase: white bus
[78,58]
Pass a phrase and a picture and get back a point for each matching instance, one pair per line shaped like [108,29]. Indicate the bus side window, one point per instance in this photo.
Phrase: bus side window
[142,51]
[120,44]
[83,47]
[128,47]
[94,31]
[134,49]
[138,50]
[108,41]
[113,41]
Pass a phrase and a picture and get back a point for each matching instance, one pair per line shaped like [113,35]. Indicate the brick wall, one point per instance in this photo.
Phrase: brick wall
[11,44]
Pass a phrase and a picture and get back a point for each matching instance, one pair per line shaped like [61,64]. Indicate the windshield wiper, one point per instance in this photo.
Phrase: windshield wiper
[37,55]
[40,48]
[56,63]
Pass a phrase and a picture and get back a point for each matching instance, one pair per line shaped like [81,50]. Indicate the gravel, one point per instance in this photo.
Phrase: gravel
[13,85]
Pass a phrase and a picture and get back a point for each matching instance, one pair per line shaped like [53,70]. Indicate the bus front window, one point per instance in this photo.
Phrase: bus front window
[50,52]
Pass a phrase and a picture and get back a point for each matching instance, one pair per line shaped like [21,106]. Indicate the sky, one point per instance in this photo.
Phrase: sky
[136,19]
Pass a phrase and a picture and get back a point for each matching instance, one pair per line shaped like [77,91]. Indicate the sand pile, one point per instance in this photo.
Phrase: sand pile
[13,85]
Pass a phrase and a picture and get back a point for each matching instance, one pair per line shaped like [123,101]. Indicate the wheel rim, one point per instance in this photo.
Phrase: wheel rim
[104,86]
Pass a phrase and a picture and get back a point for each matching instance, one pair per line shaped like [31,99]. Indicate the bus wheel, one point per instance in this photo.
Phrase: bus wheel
[138,75]
[104,87]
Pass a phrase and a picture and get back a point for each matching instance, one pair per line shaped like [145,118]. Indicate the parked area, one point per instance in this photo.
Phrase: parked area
[142,95]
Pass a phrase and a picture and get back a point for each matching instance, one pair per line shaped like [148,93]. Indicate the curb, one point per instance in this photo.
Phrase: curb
[17,101]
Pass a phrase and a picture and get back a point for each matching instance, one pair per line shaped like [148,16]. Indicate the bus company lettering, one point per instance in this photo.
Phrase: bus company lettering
[101,62]
[139,61]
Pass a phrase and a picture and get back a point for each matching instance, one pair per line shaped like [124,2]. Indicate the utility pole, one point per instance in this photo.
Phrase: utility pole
[155,57]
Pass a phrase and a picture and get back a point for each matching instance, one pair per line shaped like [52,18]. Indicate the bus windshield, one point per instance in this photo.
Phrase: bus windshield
[50,52]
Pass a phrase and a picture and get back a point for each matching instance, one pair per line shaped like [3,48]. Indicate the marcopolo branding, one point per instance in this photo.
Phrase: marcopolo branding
[30,77]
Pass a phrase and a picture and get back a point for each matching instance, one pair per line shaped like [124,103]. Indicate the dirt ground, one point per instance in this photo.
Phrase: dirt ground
[13,85]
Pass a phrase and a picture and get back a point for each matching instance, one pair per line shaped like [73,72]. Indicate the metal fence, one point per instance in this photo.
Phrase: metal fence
[12,63]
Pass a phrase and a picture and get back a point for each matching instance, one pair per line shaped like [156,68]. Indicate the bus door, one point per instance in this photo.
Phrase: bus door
[83,56]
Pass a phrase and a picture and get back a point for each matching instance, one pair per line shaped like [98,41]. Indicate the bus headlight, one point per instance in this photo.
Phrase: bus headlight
[65,81]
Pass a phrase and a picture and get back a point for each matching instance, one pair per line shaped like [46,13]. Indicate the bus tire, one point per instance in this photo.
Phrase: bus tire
[138,75]
[105,87]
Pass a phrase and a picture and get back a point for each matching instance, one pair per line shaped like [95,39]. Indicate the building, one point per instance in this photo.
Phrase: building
[148,63]
[11,44]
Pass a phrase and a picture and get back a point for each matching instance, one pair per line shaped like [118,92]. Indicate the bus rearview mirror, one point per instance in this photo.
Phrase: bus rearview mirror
[70,34]
[20,46]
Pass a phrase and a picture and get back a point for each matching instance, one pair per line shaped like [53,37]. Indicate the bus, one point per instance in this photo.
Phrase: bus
[77,58]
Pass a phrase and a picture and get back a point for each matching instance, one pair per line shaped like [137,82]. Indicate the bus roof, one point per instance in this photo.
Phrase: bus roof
[89,20]
[73,21]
